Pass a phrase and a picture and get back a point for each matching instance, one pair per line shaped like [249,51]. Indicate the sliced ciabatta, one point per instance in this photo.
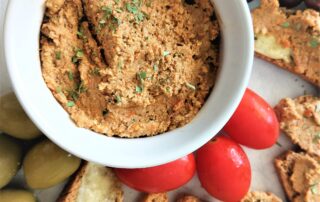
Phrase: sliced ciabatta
[295,171]
[92,183]
[257,196]
[300,120]
[288,39]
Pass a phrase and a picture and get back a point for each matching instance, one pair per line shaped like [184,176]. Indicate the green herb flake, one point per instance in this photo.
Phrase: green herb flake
[285,25]
[178,54]
[142,75]
[192,87]
[117,1]
[59,89]
[132,8]
[107,10]
[80,34]
[70,104]
[70,75]
[139,17]
[81,88]
[155,67]
[118,99]
[149,2]
[118,10]
[58,55]
[166,53]
[79,53]
[139,89]
[95,71]
[314,189]
[120,64]
[297,26]
[314,43]
[316,138]
[74,59]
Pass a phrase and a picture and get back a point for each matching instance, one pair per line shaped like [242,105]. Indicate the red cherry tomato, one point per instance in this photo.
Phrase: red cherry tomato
[224,169]
[254,124]
[160,178]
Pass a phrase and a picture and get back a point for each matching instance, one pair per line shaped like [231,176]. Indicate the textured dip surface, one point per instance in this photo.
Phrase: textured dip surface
[130,68]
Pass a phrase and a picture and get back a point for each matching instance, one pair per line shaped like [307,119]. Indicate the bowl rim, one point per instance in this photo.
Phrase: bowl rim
[140,152]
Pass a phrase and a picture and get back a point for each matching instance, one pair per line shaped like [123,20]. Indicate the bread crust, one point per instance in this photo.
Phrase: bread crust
[284,165]
[71,190]
[257,196]
[285,66]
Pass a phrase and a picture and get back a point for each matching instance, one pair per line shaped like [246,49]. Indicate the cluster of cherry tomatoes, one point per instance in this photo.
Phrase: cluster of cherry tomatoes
[223,167]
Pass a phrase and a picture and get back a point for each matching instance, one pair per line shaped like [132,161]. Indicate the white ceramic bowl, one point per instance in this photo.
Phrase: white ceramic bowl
[22,28]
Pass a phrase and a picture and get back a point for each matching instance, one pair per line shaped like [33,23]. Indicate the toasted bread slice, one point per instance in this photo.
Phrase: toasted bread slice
[288,39]
[188,198]
[300,120]
[293,170]
[93,182]
[160,197]
[257,196]
[313,191]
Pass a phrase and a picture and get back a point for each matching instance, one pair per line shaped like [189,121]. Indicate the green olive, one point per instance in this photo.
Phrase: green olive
[14,121]
[11,195]
[46,165]
[10,156]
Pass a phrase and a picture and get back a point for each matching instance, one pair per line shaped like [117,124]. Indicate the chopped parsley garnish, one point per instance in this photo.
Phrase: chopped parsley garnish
[118,99]
[134,8]
[120,64]
[70,104]
[139,17]
[316,138]
[142,75]
[314,189]
[70,75]
[139,89]
[75,93]
[314,43]
[192,87]
[155,67]
[148,3]
[115,22]
[81,35]
[297,26]
[59,89]
[95,71]
[285,25]
[177,54]
[166,53]
[107,11]
[78,55]
[118,10]
[58,55]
